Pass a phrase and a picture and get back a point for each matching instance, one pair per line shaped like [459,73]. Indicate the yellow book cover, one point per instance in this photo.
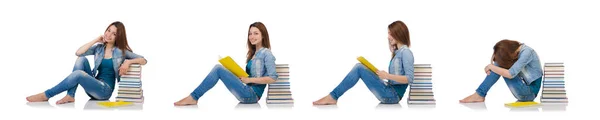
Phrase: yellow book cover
[228,63]
[521,104]
[365,62]
[114,104]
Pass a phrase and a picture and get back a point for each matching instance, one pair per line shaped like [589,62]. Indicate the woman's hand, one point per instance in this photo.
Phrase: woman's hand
[124,67]
[488,69]
[100,39]
[383,74]
[246,80]
[393,48]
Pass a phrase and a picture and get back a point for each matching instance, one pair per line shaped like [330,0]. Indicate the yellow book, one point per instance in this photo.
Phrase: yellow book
[114,104]
[521,104]
[364,61]
[228,63]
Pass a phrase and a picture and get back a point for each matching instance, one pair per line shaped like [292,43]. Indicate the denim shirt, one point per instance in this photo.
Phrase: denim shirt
[528,65]
[263,65]
[117,57]
[402,64]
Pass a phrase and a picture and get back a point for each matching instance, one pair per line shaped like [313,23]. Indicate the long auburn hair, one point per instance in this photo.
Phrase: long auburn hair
[121,37]
[399,32]
[505,53]
[265,39]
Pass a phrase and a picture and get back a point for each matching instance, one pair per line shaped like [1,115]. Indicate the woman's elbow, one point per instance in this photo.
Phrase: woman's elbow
[509,76]
[144,61]
[271,80]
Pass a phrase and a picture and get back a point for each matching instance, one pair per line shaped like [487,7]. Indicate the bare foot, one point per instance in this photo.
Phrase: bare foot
[40,97]
[66,99]
[186,101]
[472,99]
[327,100]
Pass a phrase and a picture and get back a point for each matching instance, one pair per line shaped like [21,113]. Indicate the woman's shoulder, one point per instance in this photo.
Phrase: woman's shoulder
[404,51]
[265,51]
[526,49]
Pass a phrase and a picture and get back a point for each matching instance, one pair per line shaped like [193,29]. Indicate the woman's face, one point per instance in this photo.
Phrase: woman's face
[254,36]
[391,39]
[110,34]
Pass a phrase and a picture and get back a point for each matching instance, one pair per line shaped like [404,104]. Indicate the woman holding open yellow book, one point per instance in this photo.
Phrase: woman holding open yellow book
[260,68]
[401,71]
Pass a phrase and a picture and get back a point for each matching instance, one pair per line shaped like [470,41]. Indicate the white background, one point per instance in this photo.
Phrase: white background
[319,39]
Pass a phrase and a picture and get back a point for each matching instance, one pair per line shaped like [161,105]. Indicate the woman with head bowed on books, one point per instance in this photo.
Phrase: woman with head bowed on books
[400,75]
[260,68]
[520,67]
[112,57]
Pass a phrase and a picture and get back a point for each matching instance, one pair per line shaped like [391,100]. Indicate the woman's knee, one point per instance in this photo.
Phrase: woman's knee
[81,59]
[81,63]
[359,66]
[218,66]
[78,74]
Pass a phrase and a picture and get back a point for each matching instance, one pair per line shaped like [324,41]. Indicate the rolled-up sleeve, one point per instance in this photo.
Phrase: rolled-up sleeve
[269,62]
[408,63]
[131,55]
[525,57]
[91,50]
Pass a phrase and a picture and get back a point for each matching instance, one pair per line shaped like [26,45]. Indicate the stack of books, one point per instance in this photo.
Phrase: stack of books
[421,90]
[130,86]
[279,92]
[553,85]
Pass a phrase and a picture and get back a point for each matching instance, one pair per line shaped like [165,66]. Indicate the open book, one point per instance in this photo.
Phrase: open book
[229,64]
[365,62]
[368,64]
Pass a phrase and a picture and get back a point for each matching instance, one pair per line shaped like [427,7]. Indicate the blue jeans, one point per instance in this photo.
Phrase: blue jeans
[82,75]
[517,86]
[241,91]
[384,93]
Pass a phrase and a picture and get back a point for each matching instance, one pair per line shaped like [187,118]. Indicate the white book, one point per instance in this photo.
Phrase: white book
[554,100]
[289,101]
[131,80]
[279,89]
[129,96]
[276,93]
[555,76]
[421,90]
[553,88]
[423,70]
[421,94]
[421,102]
[420,98]
[129,89]
[280,97]
[134,69]
[554,95]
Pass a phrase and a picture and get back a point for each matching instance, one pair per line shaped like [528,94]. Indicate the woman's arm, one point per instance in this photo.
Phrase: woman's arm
[131,58]
[271,73]
[498,70]
[125,66]
[398,78]
[260,80]
[524,58]
[86,47]
[407,61]
[141,61]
